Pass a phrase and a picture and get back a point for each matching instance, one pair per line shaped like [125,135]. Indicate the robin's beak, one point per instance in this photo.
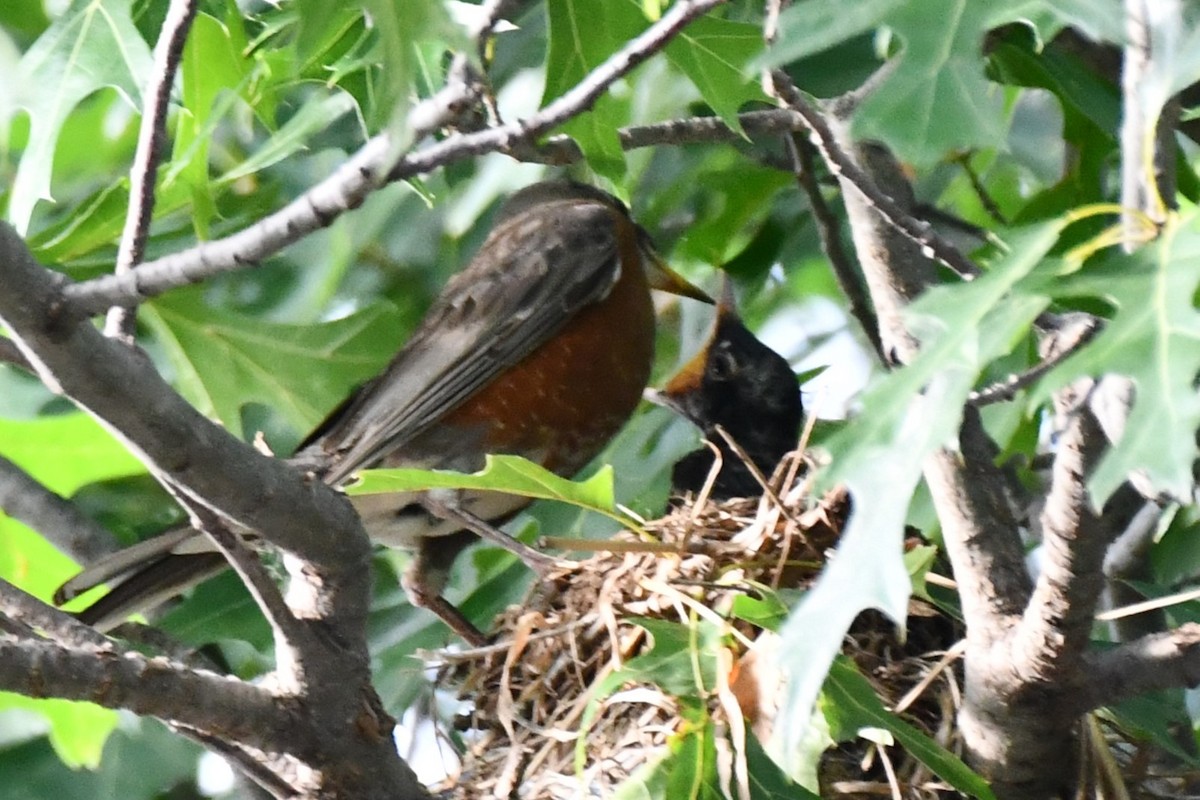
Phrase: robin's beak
[665,279]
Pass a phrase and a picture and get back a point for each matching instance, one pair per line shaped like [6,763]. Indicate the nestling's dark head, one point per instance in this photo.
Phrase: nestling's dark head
[740,384]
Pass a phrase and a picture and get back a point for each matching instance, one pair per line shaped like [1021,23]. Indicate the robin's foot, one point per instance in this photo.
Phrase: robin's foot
[539,562]
[422,596]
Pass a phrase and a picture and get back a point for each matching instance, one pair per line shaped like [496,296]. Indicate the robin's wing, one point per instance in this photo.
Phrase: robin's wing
[532,275]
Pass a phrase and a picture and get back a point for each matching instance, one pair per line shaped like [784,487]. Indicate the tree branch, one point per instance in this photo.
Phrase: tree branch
[289,636]
[154,686]
[1168,660]
[54,517]
[11,354]
[1058,622]
[345,725]
[151,137]
[829,230]
[370,168]
[1148,122]
[59,625]
[918,231]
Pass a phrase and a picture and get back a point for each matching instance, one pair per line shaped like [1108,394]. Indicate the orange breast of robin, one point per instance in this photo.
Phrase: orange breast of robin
[562,403]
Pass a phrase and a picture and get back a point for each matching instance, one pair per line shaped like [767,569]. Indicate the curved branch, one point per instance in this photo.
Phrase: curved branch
[918,231]
[371,167]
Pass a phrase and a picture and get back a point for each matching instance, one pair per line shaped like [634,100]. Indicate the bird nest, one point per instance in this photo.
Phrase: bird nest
[547,722]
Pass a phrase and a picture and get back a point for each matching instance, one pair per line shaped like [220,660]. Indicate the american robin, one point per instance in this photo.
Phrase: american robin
[738,383]
[541,348]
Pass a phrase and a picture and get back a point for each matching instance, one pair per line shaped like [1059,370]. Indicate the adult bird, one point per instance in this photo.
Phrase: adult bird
[541,347]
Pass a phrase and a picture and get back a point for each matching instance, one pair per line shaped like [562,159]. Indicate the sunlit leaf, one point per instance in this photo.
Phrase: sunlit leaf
[1154,339]
[906,415]
[502,473]
[94,44]
[225,360]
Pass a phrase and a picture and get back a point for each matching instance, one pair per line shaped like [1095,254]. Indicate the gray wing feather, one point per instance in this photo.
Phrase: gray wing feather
[492,315]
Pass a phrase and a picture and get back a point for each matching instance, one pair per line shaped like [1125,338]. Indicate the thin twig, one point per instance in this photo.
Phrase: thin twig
[561,149]
[829,230]
[985,198]
[1007,389]
[757,474]
[918,231]
[152,136]
[287,629]
[369,168]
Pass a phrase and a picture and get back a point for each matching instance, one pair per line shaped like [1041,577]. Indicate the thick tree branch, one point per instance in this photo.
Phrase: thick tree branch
[1168,660]
[123,391]
[153,686]
[329,673]
[54,517]
[1148,121]
[980,534]
[59,625]
[1058,622]
[151,138]
[371,167]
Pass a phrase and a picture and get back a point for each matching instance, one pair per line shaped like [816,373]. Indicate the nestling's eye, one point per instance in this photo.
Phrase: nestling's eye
[722,365]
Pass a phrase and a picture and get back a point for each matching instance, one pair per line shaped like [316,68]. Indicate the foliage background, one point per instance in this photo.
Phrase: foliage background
[271,99]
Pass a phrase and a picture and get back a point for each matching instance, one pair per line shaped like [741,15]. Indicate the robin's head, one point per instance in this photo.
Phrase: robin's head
[540,197]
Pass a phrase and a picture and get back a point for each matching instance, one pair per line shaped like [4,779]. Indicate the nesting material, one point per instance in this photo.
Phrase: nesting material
[531,690]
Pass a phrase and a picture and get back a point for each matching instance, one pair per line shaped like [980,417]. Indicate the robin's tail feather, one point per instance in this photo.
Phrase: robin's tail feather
[151,586]
[146,574]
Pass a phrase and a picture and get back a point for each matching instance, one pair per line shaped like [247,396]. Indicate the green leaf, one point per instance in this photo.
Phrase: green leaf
[582,34]
[1099,20]
[399,26]
[224,360]
[767,612]
[142,761]
[93,44]
[62,453]
[501,473]
[212,64]
[1154,339]
[682,663]
[808,28]
[937,100]
[879,456]
[77,730]
[939,78]
[851,705]
[715,53]
[312,118]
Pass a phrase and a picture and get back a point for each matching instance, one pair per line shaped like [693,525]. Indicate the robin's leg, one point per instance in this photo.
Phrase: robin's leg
[540,563]
[426,577]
